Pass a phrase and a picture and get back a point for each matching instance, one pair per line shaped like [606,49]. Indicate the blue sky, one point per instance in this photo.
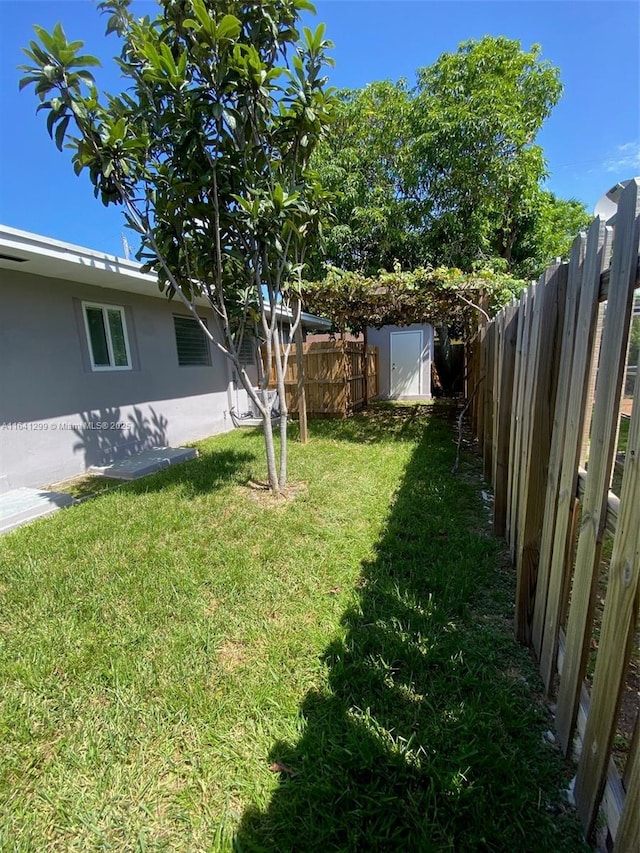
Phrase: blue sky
[591,140]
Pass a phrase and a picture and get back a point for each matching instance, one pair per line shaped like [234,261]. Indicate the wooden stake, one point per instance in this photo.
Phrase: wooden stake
[302,397]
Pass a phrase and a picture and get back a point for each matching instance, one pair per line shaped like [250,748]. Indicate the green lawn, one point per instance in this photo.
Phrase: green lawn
[188,666]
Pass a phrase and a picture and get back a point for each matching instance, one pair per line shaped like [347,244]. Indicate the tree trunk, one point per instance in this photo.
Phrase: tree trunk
[283,448]
[280,368]
[272,470]
[302,397]
[365,371]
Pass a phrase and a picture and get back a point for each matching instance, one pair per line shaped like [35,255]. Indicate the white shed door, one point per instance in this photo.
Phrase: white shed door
[406,349]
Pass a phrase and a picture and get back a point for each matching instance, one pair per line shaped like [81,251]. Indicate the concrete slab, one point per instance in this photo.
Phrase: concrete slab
[19,506]
[144,463]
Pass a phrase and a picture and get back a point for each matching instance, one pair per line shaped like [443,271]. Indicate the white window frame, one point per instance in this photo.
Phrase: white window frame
[104,308]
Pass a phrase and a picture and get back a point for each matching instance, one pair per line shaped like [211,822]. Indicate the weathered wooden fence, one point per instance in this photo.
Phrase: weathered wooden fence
[547,376]
[334,379]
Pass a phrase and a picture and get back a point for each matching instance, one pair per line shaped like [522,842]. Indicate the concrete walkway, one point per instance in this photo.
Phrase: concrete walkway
[20,506]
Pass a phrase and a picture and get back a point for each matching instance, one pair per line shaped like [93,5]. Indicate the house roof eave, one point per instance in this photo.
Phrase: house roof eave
[55,259]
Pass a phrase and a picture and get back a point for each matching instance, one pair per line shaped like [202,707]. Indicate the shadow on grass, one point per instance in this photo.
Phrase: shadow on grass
[382,422]
[213,468]
[210,471]
[427,736]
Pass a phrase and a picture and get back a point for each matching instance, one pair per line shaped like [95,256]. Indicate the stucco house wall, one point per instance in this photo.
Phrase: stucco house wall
[58,416]
[384,339]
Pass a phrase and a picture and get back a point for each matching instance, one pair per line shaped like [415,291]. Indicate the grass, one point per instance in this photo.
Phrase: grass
[187,666]
[623,436]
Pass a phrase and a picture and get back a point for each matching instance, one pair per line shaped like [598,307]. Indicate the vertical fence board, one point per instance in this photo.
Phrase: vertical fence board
[504,420]
[567,342]
[482,357]
[489,397]
[530,354]
[515,424]
[497,400]
[628,835]
[490,347]
[596,257]
[540,400]
[516,503]
[472,382]
[591,392]
[603,431]
[616,635]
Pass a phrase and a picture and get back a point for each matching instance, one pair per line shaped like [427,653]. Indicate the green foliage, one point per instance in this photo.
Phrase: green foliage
[361,162]
[475,165]
[448,173]
[207,151]
[546,231]
[442,296]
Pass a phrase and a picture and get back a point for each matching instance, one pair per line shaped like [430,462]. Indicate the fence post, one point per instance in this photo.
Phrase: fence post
[603,432]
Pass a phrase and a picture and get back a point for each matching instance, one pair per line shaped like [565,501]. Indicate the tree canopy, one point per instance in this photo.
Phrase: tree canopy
[448,172]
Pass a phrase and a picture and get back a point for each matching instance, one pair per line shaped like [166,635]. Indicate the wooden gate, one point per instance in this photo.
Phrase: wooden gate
[334,378]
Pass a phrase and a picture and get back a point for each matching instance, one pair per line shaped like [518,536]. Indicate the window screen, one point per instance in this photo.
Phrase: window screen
[191,341]
[246,352]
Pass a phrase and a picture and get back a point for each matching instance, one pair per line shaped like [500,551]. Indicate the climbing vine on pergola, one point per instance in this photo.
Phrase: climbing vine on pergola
[444,297]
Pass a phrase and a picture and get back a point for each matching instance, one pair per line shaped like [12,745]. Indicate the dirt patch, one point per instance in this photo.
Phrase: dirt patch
[211,606]
[232,655]
[626,406]
[261,494]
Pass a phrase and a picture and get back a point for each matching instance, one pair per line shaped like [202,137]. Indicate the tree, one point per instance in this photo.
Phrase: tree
[475,165]
[448,173]
[207,151]
[545,231]
[360,161]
